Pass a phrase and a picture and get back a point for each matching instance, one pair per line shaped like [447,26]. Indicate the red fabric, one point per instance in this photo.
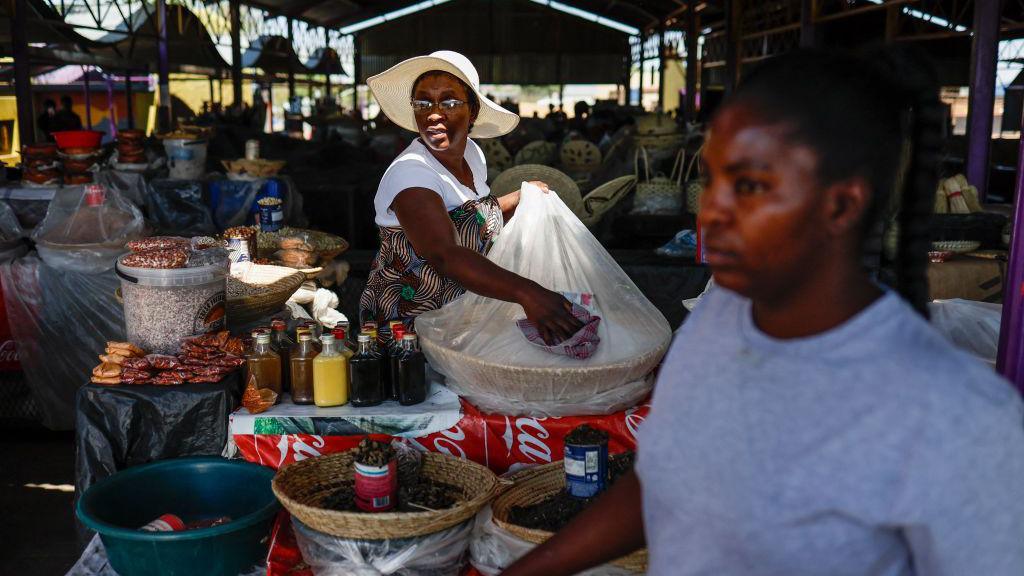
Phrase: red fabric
[9,361]
[580,345]
[498,442]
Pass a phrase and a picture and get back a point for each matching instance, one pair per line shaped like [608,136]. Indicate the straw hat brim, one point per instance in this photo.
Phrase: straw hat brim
[393,91]
[559,182]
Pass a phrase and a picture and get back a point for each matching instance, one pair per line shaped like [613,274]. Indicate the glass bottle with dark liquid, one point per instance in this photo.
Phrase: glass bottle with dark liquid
[265,364]
[301,369]
[412,372]
[394,355]
[365,372]
[283,345]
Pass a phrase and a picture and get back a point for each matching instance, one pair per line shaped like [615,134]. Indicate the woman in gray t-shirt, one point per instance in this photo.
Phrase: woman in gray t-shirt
[807,421]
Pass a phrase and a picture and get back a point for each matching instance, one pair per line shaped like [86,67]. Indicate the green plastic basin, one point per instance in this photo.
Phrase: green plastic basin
[193,489]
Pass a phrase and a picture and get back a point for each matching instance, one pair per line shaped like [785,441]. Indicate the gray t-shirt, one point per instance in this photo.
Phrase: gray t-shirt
[876,448]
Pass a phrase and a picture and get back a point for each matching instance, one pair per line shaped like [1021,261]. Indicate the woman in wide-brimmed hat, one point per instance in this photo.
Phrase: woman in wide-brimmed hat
[433,206]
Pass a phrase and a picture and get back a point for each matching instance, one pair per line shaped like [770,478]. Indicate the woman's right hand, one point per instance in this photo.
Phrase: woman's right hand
[550,312]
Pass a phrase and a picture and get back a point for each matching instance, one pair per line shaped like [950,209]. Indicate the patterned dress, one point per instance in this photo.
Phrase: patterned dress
[402,285]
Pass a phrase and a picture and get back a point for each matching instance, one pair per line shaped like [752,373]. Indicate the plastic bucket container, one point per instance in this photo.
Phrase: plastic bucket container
[186,159]
[161,307]
[193,489]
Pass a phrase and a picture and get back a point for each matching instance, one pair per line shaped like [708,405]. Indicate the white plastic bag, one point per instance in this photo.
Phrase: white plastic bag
[438,554]
[972,326]
[492,549]
[475,342]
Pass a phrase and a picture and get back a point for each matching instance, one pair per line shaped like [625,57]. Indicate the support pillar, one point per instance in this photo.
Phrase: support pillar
[236,53]
[984,54]
[1010,358]
[22,75]
[808,30]
[163,70]
[129,105]
[692,33]
[88,97]
[212,93]
[357,70]
[643,70]
[892,22]
[733,12]
[291,73]
[661,68]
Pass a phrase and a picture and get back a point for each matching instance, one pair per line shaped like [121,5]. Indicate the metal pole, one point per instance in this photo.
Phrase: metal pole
[1010,358]
[88,97]
[808,12]
[212,100]
[128,97]
[984,54]
[22,75]
[270,106]
[291,73]
[732,39]
[691,62]
[111,109]
[357,70]
[643,69]
[627,80]
[163,70]
[236,53]
[661,68]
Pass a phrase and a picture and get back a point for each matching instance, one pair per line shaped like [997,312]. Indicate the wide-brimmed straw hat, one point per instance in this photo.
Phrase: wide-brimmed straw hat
[393,91]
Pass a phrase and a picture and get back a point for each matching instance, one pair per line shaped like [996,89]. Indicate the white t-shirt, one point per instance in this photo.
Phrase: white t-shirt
[416,167]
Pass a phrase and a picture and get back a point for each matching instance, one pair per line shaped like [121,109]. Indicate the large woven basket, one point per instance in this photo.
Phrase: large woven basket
[279,284]
[302,486]
[534,485]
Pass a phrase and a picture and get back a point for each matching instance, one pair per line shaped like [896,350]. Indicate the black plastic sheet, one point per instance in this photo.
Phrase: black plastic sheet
[61,321]
[118,427]
[177,207]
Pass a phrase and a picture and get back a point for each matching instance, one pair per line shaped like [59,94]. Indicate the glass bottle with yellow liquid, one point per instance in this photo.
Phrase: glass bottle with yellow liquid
[330,374]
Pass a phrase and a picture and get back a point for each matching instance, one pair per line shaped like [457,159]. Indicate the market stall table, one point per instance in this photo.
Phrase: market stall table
[118,427]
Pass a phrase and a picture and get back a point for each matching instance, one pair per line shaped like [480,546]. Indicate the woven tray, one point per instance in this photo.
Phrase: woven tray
[280,283]
[534,485]
[301,486]
[328,246]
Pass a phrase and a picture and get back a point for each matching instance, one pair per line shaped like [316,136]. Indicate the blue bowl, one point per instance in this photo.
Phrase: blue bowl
[193,489]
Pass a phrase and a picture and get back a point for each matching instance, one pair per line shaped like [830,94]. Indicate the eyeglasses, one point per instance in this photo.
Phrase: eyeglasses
[426,106]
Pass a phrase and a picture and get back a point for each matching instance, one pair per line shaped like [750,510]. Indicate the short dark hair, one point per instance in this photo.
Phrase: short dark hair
[859,113]
[65,101]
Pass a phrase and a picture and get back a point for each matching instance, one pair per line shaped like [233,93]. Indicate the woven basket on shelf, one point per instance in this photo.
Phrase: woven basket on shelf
[279,284]
[558,181]
[534,485]
[302,486]
[603,198]
[537,152]
[328,246]
[495,153]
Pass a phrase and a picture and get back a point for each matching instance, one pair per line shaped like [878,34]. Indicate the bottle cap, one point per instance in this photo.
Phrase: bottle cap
[409,337]
[305,336]
[327,338]
[364,337]
[279,325]
[263,338]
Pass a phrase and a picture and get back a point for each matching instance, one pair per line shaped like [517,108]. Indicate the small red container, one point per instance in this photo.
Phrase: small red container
[78,138]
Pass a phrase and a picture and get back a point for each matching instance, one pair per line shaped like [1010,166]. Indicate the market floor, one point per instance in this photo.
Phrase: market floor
[38,536]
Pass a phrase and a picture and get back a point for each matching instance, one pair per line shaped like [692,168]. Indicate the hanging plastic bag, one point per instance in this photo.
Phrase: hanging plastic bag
[492,549]
[177,207]
[475,342]
[971,326]
[438,554]
[86,229]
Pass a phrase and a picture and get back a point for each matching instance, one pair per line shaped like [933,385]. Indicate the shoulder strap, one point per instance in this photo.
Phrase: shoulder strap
[640,150]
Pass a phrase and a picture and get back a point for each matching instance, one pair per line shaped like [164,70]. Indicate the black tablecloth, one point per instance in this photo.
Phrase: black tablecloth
[118,427]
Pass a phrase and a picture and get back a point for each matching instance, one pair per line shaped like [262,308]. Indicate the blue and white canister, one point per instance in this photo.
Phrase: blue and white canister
[586,469]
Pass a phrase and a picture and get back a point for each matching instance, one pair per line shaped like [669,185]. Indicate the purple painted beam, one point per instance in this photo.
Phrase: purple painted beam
[163,69]
[984,54]
[1010,359]
[86,70]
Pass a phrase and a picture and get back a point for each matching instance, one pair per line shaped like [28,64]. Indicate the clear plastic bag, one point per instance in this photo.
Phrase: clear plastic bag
[492,549]
[86,232]
[438,554]
[131,185]
[972,326]
[10,228]
[475,342]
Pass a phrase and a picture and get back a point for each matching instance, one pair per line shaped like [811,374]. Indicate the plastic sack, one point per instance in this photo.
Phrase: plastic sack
[61,320]
[87,232]
[970,325]
[131,185]
[93,562]
[475,342]
[177,207]
[10,227]
[492,549]
[438,554]
[233,202]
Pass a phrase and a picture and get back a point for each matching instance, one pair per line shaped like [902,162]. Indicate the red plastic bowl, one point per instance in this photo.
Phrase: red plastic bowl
[78,138]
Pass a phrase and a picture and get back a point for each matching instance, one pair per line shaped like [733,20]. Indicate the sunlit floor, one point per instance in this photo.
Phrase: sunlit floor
[37,524]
